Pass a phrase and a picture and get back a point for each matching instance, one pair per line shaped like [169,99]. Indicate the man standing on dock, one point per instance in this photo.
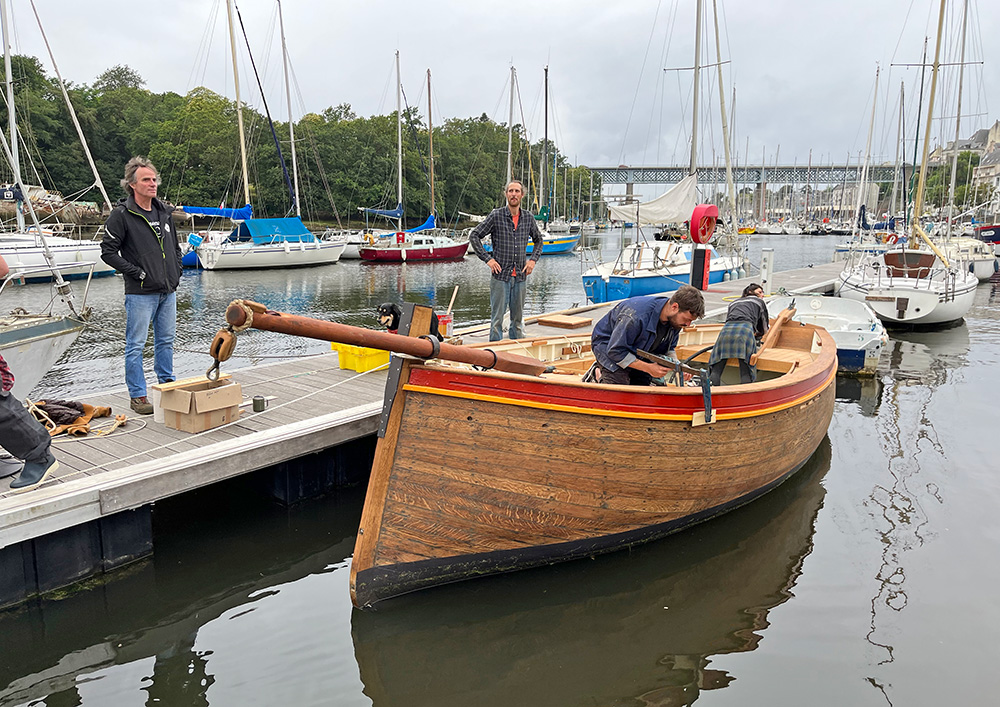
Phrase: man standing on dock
[141,244]
[649,323]
[509,228]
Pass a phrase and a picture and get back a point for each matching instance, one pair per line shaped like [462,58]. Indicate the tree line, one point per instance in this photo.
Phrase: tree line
[345,162]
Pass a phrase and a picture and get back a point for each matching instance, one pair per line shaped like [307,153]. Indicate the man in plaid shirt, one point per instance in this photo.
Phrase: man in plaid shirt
[20,433]
[509,228]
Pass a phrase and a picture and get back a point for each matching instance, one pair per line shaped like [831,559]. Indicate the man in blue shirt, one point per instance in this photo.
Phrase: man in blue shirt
[509,228]
[650,323]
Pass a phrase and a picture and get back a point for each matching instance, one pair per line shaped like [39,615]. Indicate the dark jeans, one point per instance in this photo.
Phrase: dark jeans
[624,376]
[748,373]
[21,434]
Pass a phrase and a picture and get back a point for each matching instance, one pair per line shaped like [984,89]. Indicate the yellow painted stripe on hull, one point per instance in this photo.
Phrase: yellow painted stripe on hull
[616,413]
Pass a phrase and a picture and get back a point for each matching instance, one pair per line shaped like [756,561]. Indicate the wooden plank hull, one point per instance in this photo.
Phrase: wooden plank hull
[481,473]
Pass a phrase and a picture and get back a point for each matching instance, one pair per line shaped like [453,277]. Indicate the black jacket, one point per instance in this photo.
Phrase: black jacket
[133,247]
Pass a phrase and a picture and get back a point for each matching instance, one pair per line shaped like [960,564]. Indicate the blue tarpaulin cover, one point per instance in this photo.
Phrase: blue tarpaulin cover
[240,214]
[272,230]
[429,223]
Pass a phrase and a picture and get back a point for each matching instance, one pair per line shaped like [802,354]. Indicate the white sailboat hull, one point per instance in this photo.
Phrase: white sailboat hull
[73,258]
[31,345]
[245,256]
[897,301]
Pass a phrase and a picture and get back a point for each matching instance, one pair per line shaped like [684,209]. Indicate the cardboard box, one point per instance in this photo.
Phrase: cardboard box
[198,404]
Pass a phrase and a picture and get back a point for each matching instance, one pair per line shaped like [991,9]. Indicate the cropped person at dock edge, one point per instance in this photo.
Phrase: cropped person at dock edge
[649,323]
[746,323]
[141,244]
[20,433]
[509,228]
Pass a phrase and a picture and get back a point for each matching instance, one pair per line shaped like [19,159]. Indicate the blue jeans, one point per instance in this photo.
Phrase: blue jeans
[504,295]
[140,311]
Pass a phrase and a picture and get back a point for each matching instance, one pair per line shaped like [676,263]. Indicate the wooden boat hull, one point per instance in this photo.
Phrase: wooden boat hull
[480,473]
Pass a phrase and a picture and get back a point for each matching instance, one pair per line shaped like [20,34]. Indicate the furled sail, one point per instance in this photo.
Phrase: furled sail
[675,206]
[426,225]
[394,213]
[241,214]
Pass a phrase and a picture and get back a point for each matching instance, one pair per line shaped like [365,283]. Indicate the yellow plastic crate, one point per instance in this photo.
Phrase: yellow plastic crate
[359,358]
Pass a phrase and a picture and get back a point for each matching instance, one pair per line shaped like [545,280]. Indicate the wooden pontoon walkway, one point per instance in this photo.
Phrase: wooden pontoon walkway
[313,405]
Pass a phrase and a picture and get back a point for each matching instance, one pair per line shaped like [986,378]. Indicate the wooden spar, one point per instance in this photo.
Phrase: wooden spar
[296,325]
[771,337]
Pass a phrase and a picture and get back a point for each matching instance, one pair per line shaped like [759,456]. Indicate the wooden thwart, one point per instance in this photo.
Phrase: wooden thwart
[564,321]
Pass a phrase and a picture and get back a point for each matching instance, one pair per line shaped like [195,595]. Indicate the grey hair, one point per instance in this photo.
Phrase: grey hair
[131,167]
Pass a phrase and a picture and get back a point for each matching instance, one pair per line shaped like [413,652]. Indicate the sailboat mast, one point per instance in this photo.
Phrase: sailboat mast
[868,149]
[697,83]
[15,162]
[430,140]
[958,119]
[239,105]
[545,146]
[288,99]
[399,144]
[730,186]
[72,112]
[510,132]
[918,200]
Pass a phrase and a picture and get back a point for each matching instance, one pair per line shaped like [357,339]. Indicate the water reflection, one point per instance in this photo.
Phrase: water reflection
[917,364]
[865,392]
[626,628]
[149,616]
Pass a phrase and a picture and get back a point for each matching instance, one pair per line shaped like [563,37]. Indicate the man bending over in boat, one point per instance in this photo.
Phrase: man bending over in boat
[746,324]
[649,323]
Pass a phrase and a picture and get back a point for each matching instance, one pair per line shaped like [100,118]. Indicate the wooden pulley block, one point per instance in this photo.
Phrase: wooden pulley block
[223,345]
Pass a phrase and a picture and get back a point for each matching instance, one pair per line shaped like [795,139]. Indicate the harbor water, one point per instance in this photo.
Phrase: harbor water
[869,578]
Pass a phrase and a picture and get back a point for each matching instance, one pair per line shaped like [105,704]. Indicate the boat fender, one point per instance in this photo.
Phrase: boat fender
[436,350]
[996,265]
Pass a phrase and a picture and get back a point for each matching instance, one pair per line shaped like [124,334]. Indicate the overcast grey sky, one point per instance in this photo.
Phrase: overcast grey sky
[803,70]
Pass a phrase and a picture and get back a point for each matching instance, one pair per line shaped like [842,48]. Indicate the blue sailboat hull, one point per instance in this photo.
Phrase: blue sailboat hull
[623,287]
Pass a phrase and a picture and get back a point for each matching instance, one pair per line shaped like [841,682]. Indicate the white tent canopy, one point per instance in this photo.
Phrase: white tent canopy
[675,206]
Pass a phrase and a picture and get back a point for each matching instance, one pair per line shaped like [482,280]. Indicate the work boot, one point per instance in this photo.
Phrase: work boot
[33,474]
[142,406]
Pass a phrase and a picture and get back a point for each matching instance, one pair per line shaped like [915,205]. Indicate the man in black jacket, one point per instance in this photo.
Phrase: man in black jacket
[141,244]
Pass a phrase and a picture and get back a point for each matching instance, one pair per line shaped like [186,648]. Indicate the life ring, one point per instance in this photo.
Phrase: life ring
[892,239]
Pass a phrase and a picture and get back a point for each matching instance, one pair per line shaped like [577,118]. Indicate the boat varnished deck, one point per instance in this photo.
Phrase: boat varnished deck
[312,405]
[146,461]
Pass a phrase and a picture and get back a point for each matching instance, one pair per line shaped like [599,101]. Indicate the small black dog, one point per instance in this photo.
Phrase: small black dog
[389,314]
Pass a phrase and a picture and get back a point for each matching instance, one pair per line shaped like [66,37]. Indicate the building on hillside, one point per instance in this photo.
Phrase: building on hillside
[987,174]
[981,142]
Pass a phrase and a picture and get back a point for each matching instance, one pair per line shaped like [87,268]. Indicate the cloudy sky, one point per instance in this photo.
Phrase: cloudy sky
[803,72]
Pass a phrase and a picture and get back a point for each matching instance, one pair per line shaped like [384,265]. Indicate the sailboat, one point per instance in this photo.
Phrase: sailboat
[420,243]
[914,283]
[642,267]
[23,249]
[262,242]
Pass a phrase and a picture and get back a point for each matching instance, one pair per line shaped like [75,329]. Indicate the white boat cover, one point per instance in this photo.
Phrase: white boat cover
[675,206]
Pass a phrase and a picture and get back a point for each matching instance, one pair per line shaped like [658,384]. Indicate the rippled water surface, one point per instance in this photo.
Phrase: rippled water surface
[868,579]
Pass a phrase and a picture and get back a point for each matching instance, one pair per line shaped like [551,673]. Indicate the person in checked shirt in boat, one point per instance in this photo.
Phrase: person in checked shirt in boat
[509,228]
[649,323]
[746,324]
[21,434]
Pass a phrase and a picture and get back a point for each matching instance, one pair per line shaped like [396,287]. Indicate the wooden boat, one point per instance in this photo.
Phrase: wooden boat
[479,472]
